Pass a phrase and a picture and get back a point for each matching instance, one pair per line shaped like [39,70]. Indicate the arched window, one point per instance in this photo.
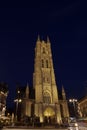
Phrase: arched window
[46,98]
[43,50]
[48,79]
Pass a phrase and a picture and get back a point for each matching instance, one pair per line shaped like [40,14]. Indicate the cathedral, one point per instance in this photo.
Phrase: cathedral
[43,100]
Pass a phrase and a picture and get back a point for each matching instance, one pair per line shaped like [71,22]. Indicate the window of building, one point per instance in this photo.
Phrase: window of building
[48,80]
[43,50]
[46,98]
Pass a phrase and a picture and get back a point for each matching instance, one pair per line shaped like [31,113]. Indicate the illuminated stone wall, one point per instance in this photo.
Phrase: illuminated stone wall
[46,103]
[46,94]
[3,97]
[82,107]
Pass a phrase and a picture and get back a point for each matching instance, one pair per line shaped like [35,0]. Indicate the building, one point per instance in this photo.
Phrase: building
[83,107]
[43,100]
[3,97]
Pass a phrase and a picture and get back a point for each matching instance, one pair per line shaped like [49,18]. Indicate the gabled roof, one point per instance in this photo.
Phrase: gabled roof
[84,98]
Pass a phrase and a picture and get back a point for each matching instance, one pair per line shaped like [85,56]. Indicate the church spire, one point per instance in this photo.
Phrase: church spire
[38,38]
[63,93]
[48,40]
[27,91]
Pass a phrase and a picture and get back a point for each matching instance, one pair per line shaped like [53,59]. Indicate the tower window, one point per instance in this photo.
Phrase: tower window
[48,80]
[46,98]
[43,50]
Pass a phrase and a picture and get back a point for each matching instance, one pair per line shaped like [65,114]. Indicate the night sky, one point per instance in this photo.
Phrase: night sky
[64,23]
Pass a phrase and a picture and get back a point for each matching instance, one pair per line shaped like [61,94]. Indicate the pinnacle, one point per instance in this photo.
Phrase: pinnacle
[48,40]
[38,39]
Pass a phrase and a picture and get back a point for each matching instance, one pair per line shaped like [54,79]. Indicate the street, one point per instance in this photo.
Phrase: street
[70,128]
[32,129]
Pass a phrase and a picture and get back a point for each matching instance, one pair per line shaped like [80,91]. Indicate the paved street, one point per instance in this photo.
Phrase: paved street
[32,129]
[70,128]
[82,126]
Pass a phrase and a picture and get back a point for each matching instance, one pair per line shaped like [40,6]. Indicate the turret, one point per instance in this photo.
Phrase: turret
[48,40]
[63,93]
[27,91]
[38,38]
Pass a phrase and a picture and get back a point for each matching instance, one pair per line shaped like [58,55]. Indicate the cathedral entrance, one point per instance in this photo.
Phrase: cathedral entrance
[49,116]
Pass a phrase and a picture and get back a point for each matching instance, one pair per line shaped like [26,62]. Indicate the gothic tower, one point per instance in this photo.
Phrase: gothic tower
[44,101]
[47,105]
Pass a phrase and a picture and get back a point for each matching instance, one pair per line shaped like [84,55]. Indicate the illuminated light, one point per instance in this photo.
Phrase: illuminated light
[71,128]
[41,119]
[2,92]
[18,91]
[76,124]
[49,112]
[8,114]
[18,100]
[73,100]
[70,100]
[15,100]
[4,108]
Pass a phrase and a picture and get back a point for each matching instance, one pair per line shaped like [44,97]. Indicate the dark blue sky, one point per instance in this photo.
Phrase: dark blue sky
[64,23]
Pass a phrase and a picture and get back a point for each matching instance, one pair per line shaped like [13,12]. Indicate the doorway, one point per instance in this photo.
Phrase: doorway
[49,116]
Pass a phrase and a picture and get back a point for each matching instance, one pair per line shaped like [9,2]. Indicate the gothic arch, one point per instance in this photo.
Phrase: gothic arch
[49,112]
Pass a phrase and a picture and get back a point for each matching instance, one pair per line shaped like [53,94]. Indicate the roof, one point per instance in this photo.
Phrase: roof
[84,98]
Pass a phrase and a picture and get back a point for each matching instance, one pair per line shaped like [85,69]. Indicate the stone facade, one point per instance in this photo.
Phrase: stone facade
[47,105]
[3,97]
[82,103]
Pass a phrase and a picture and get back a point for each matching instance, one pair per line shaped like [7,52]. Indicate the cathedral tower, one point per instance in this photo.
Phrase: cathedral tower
[44,101]
[44,78]
[47,105]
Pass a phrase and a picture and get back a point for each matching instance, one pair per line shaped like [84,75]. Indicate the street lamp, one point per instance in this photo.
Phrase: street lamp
[73,101]
[17,101]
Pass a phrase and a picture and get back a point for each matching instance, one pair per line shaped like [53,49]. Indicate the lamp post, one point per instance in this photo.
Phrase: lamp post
[17,101]
[73,101]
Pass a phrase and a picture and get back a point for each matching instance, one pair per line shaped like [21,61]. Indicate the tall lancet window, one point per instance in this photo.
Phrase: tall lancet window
[43,50]
[46,98]
[42,63]
[46,63]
